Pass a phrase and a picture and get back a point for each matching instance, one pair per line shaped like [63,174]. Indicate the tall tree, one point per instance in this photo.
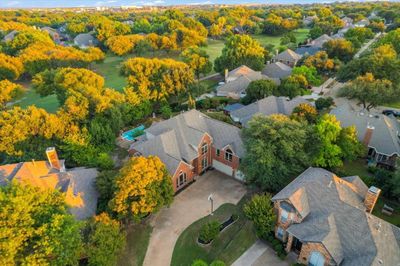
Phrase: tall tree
[8,92]
[143,186]
[340,48]
[260,211]
[276,150]
[37,228]
[240,50]
[198,60]
[371,92]
[259,89]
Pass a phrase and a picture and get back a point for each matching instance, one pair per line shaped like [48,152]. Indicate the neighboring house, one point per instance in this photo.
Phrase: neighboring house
[347,21]
[129,22]
[362,23]
[380,133]
[319,42]
[78,184]
[232,107]
[327,220]
[267,106]
[53,33]
[287,57]
[85,40]
[237,81]
[10,36]
[340,34]
[189,144]
[277,71]
[307,21]
[306,50]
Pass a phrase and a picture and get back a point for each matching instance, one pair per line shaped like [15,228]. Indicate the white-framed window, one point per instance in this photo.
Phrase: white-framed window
[217,152]
[204,163]
[228,155]
[280,233]
[204,148]
[181,180]
[284,216]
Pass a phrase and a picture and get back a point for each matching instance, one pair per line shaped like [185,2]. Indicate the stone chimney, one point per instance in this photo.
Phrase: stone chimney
[368,135]
[371,197]
[53,159]
[226,75]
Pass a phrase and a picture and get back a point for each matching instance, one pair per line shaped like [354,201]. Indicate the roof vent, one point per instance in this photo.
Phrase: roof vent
[330,184]
[378,226]
[380,261]
[361,113]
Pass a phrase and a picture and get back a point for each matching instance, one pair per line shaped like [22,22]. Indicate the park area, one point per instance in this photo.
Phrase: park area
[110,69]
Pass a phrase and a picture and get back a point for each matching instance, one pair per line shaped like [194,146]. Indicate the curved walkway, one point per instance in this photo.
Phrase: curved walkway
[189,206]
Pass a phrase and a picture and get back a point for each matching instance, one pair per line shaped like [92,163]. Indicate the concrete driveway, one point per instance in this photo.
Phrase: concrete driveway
[189,206]
[260,254]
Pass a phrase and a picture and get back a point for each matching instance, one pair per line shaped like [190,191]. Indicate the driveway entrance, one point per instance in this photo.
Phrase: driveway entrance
[189,206]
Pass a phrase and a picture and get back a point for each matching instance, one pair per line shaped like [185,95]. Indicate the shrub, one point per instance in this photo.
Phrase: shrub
[199,263]
[209,231]
[322,103]
[166,111]
[261,212]
[217,263]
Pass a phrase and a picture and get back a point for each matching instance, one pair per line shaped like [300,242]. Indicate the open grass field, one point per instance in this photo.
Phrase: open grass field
[394,218]
[228,246]
[137,240]
[214,47]
[30,97]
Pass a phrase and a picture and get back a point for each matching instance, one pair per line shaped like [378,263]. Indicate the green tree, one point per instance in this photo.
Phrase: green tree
[293,86]
[276,150]
[339,48]
[310,73]
[261,212]
[371,92]
[240,50]
[105,241]
[37,228]
[259,89]
[198,61]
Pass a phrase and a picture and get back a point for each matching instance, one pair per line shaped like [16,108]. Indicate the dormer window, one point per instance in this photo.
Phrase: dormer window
[284,216]
[204,148]
[228,155]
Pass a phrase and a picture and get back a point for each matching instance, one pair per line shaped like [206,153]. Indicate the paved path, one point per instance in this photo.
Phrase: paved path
[188,206]
[367,45]
[259,254]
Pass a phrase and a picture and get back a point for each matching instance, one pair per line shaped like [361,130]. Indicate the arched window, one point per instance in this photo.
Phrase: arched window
[228,155]
[204,148]
[316,259]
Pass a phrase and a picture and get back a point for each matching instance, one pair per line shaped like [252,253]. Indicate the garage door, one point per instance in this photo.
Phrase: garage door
[222,168]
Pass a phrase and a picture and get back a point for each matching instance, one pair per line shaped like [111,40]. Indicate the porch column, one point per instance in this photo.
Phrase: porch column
[289,243]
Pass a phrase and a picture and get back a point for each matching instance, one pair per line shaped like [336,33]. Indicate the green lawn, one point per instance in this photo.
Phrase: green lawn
[110,70]
[228,246]
[394,218]
[393,105]
[137,240]
[358,167]
[214,47]
[49,103]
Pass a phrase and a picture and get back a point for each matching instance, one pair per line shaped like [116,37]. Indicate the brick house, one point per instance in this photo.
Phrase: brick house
[191,143]
[327,220]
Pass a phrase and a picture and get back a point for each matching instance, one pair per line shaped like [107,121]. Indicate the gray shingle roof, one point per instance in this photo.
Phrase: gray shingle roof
[267,106]
[277,70]
[307,50]
[85,39]
[319,42]
[384,139]
[176,139]
[351,235]
[287,55]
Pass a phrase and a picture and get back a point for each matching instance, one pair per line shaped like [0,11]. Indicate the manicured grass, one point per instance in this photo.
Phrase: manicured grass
[393,105]
[358,167]
[214,47]
[228,246]
[110,70]
[137,240]
[49,103]
[394,218]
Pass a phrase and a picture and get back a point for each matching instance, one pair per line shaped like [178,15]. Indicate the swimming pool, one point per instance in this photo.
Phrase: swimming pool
[130,135]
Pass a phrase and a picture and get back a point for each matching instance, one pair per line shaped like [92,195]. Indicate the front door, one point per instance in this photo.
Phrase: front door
[296,246]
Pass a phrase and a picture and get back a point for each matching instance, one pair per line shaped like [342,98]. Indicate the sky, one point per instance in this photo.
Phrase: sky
[87,3]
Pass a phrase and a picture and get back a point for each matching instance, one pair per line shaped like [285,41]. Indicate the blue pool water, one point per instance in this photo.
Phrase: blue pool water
[133,133]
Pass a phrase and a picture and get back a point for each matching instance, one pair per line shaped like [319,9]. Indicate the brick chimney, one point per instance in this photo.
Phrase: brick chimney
[371,197]
[368,135]
[53,158]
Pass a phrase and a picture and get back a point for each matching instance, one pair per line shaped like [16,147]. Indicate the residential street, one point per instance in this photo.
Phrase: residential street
[189,206]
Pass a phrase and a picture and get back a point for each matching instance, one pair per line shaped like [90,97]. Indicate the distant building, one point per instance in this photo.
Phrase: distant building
[53,33]
[326,220]
[380,133]
[237,81]
[77,184]
[309,20]
[362,23]
[319,42]
[267,106]
[347,21]
[277,71]
[287,57]
[85,40]
[10,36]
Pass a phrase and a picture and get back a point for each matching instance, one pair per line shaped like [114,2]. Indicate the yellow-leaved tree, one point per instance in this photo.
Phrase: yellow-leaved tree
[143,186]
[8,92]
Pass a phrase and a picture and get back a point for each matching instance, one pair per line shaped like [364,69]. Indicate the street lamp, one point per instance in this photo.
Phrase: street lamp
[210,198]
